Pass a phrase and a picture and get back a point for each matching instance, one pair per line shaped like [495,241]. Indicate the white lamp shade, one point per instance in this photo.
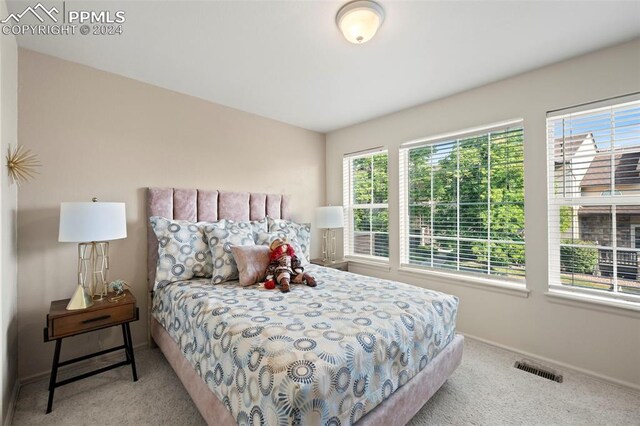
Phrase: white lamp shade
[85,222]
[329,217]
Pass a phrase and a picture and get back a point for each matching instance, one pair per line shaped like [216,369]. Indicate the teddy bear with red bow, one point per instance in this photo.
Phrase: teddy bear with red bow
[285,268]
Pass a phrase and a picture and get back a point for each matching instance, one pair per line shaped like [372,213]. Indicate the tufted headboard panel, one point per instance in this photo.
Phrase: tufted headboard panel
[198,205]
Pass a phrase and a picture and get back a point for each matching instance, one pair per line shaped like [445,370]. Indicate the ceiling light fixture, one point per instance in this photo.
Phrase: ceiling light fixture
[359,20]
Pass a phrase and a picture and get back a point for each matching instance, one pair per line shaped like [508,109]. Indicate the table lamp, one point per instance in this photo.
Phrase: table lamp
[91,225]
[329,219]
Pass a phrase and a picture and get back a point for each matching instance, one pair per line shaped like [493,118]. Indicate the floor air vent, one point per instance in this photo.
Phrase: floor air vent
[530,367]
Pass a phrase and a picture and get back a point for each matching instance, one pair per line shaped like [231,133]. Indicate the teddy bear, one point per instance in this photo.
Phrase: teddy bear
[285,268]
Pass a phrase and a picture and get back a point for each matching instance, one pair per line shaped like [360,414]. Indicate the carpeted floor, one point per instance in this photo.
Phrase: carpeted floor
[485,390]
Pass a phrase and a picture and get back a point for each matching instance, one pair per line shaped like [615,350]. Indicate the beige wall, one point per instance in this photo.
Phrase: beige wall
[8,207]
[603,341]
[102,135]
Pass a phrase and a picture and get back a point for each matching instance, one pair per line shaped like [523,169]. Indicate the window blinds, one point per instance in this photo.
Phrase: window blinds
[365,192]
[594,198]
[462,202]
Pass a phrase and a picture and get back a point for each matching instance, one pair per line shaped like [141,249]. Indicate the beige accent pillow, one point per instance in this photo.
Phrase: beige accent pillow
[252,263]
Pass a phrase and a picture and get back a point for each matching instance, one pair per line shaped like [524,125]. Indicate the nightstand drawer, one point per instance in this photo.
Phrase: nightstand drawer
[73,324]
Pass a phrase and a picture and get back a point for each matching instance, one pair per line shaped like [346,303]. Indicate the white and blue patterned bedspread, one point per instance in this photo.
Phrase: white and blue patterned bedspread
[317,356]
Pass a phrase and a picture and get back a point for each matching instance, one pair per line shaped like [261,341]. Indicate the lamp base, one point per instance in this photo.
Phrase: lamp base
[93,264]
[329,245]
[79,300]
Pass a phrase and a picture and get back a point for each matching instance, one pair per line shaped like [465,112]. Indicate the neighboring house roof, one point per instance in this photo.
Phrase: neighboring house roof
[627,170]
[565,148]
[598,177]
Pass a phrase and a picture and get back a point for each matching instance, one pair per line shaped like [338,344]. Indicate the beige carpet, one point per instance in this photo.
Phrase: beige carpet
[485,390]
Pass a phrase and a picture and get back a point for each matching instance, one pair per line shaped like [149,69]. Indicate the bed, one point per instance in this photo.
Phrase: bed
[354,349]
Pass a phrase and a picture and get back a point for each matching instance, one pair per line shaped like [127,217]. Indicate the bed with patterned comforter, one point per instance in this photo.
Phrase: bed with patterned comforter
[323,355]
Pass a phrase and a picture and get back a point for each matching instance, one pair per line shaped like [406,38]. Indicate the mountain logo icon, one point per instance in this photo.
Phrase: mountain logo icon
[38,11]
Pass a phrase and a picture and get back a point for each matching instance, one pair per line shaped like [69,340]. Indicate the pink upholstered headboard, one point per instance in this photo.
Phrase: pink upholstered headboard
[197,205]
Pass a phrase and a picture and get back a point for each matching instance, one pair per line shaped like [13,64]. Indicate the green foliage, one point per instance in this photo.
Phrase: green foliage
[579,260]
[488,172]
[566,218]
[370,179]
[370,186]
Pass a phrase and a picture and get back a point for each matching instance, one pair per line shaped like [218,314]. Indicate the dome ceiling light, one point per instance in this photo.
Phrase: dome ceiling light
[359,20]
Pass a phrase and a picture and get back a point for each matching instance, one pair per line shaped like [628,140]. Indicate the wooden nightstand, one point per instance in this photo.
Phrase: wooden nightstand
[342,265]
[102,314]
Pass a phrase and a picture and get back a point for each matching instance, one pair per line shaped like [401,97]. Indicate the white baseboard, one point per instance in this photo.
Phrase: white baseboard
[12,404]
[558,364]
[103,359]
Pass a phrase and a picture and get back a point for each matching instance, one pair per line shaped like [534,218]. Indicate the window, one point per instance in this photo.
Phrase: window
[462,202]
[365,195]
[635,236]
[594,198]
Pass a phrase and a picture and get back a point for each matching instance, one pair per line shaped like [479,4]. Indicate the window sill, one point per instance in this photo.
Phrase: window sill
[604,304]
[365,262]
[488,284]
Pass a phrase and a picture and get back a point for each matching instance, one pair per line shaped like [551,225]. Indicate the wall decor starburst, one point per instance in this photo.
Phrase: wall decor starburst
[22,164]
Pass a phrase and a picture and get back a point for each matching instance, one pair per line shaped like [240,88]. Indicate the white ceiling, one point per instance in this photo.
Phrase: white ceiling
[287,60]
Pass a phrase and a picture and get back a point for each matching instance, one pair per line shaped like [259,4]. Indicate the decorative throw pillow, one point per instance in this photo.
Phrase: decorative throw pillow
[261,225]
[252,263]
[290,230]
[255,226]
[183,252]
[265,239]
[222,235]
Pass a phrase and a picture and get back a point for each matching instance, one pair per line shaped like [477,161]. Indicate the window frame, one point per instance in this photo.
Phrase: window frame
[557,200]
[634,233]
[509,282]
[350,206]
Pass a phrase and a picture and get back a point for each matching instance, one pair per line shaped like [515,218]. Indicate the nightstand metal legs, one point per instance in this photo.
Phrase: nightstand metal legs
[126,336]
[54,374]
[129,359]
